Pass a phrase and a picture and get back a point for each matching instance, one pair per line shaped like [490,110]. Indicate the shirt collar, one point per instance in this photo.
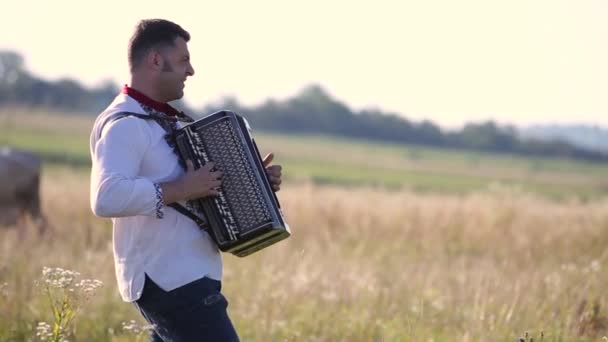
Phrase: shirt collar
[140,97]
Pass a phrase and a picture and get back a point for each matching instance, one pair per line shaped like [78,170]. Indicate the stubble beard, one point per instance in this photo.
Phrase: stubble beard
[172,91]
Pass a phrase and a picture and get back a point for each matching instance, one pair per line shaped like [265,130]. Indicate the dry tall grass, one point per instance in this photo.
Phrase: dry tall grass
[362,265]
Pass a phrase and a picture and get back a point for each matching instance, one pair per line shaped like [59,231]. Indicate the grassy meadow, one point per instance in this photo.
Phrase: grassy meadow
[390,243]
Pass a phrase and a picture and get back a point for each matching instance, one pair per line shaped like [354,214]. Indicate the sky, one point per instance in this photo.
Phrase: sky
[516,62]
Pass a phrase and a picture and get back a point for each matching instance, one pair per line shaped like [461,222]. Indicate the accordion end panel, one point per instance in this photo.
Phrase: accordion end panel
[275,235]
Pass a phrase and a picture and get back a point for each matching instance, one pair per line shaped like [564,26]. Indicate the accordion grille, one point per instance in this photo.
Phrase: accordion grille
[240,187]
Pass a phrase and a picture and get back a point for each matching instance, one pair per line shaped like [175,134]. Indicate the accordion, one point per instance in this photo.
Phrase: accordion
[245,215]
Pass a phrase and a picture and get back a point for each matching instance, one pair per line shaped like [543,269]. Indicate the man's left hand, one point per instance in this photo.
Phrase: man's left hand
[273,172]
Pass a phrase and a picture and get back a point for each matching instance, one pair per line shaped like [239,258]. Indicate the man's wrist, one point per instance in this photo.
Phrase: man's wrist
[174,191]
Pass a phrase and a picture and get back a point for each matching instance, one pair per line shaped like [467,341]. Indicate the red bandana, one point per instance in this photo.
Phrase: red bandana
[146,101]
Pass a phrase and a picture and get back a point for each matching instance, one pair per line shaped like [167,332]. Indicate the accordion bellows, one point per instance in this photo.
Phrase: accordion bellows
[245,216]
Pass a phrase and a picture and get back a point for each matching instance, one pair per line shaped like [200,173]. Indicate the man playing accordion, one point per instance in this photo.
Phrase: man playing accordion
[168,267]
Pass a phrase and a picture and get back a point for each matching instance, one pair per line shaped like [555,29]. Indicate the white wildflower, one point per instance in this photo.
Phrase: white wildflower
[569,267]
[438,303]
[65,279]
[66,294]
[58,277]
[133,327]
[593,267]
[4,290]
[43,330]
[88,286]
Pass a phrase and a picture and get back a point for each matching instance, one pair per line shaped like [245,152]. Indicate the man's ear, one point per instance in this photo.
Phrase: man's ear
[154,60]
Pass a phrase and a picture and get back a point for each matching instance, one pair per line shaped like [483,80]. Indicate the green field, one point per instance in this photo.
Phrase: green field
[63,139]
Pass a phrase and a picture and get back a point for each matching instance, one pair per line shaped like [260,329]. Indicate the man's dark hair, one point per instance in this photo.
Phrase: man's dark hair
[153,34]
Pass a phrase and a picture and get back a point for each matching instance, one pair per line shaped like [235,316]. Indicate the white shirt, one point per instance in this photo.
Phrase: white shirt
[129,156]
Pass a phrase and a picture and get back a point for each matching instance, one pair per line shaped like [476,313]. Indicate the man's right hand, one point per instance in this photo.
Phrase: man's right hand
[193,184]
[202,182]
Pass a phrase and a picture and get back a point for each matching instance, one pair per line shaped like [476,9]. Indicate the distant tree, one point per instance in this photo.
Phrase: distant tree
[487,136]
[11,67]
[12,74]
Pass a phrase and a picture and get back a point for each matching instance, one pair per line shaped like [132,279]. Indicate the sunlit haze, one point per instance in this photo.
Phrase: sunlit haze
[516,61]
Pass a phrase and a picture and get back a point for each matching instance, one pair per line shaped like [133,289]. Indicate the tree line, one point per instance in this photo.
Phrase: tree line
[312,110]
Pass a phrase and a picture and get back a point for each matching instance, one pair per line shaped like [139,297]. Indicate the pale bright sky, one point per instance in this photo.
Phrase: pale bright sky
[515,61]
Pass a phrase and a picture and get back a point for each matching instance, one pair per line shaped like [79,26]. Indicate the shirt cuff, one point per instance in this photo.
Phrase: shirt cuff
[160,202]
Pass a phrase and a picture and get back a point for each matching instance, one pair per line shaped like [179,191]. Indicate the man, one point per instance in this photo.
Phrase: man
[164,262]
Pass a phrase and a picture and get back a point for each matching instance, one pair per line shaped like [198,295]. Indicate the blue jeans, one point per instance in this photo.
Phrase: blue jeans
[193,312]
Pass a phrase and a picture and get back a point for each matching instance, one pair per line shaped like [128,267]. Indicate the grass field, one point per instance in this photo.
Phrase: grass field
[390,244]
[63,140]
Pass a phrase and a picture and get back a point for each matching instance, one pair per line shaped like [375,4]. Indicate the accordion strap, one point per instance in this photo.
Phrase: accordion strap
[159,118]
[181,209]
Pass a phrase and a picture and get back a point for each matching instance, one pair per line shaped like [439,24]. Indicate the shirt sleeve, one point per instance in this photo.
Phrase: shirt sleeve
[116,188]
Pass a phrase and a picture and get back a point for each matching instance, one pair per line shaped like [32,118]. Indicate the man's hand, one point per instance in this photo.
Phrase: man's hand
[202,182]
[193,184]
[274,172]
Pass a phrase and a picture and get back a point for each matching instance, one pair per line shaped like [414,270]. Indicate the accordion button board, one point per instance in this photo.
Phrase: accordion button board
[245,216]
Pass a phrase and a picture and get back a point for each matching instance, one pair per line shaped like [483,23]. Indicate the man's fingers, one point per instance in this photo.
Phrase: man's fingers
[208,166]
[216,174]
[275,180]
[189,165]
[274,170]
[274,176]
[268,159]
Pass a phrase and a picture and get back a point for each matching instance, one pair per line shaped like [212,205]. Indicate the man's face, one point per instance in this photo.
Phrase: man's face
[175,69]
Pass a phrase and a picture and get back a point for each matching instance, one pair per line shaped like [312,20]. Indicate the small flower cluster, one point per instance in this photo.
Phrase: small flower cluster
[58,277]
[133,327]
[593,267]
[43,331]
[88,286]
[4,290]
[66,294]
